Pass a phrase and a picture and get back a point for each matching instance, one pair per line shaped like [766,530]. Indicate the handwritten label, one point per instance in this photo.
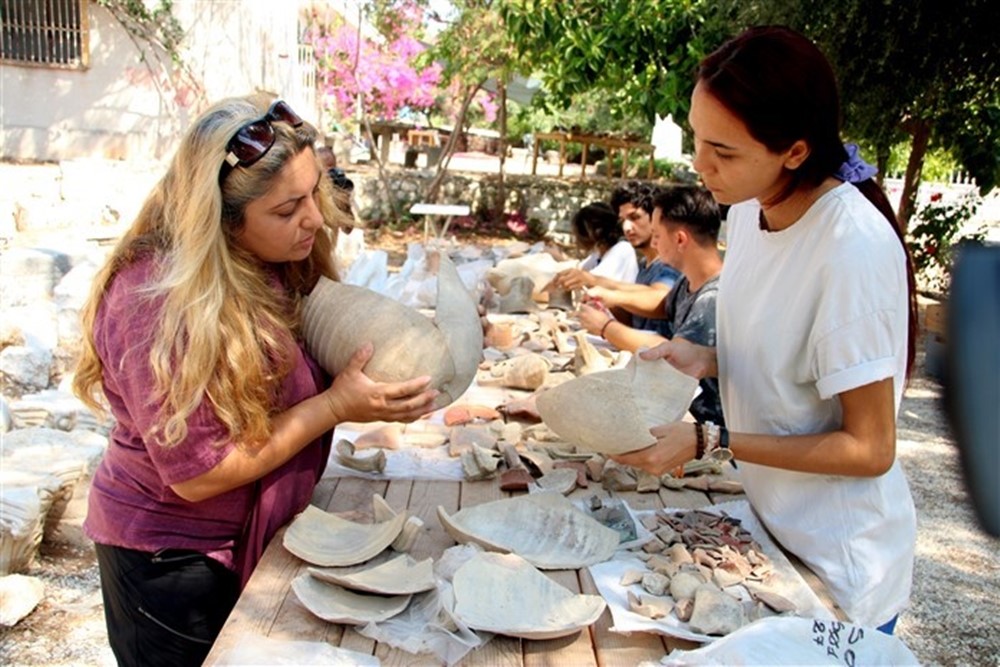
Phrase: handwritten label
[840,645]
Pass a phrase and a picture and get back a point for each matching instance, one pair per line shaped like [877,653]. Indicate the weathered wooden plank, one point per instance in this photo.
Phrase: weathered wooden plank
[500,650]
[397,494]
[728,473]
[324,491]
[576,649]
[421,500]
[425,497]
[354,494]
[617,649]
[354,641]
[684,498]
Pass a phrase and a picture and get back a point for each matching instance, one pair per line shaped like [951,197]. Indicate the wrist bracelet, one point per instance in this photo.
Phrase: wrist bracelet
[700,435]
[604,328]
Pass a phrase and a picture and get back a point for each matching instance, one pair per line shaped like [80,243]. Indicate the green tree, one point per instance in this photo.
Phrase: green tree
[474,48]
[924,70]
[641,55]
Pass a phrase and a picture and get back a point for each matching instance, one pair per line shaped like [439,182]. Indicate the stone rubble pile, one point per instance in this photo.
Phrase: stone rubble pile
[49,440]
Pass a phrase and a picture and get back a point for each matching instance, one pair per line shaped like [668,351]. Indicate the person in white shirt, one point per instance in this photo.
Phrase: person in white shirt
[816,324]
[598,232]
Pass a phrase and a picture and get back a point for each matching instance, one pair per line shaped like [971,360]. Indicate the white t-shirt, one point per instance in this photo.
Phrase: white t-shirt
[618,263]
[805,314]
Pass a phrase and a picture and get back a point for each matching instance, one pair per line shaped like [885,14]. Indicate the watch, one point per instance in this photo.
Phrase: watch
[722,453]
[717,443]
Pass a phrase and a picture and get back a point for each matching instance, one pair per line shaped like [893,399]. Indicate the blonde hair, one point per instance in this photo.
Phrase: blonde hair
[224,333]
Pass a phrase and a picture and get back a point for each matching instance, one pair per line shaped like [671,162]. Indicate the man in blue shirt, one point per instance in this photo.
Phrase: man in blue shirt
[633,202]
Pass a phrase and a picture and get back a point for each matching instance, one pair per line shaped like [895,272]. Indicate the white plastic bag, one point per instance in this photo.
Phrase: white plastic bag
[428,625]
[792,640]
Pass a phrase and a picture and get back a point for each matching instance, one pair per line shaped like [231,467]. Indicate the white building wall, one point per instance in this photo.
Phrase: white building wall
[120,109]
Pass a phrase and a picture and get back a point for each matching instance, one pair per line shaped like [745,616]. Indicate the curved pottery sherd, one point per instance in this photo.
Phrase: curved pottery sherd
[338,605]
[543,528]
[561,299]
[522,602]
[518,298]
[540,267]
[339,318]
[326,540]
[611,412]
[400,576]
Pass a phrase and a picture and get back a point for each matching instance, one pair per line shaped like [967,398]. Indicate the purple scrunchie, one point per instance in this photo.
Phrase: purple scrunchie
[855,170]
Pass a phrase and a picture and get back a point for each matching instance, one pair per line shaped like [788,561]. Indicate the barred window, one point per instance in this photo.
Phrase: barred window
[48,33]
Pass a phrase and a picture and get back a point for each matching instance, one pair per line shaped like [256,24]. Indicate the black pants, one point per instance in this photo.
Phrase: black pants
[165,608]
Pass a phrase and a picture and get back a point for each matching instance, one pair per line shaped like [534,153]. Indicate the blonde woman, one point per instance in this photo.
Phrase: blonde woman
[192,340]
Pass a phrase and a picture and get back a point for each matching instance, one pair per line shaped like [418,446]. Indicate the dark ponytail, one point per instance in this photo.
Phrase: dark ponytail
[784,90]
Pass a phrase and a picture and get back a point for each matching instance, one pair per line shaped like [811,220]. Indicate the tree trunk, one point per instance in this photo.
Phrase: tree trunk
[920,129]
[882,163]
[382,176]
[431,193]
[501,195]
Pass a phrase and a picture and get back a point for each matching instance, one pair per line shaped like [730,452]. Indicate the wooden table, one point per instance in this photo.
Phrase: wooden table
[269,607]
[609,144]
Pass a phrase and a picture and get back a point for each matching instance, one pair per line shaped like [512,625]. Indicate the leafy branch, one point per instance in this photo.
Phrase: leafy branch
[155,32]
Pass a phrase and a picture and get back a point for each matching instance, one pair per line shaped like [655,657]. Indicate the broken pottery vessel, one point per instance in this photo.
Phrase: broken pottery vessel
[338,605]
[540,267]
[522,602]
[518,298]
[401,575]
[327,540]
[339,318]
[543,528]
[611,412]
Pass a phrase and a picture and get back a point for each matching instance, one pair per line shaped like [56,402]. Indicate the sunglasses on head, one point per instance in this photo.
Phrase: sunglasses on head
[252,141]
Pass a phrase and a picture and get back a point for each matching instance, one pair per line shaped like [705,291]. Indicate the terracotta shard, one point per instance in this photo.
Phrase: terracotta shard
[457,415]
[649,606]
[389,436]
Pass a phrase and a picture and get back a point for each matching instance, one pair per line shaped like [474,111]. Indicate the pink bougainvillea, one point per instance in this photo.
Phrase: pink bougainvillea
[386,74]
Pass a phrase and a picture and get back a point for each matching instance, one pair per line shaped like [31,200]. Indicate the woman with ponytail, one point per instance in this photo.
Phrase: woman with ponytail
[816,323]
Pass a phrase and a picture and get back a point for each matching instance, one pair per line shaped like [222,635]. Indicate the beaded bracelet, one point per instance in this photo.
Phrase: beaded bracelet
[604,328]
[700,435]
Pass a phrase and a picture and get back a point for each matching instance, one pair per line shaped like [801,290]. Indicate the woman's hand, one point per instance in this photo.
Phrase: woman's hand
[695,360]
[609,297]
[593,319]
[354,397]
[676,444]
[572,279]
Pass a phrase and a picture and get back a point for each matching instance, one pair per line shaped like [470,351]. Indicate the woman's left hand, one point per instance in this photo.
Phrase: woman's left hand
[592,319]
[355,397]
[676,444]
[572,279]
